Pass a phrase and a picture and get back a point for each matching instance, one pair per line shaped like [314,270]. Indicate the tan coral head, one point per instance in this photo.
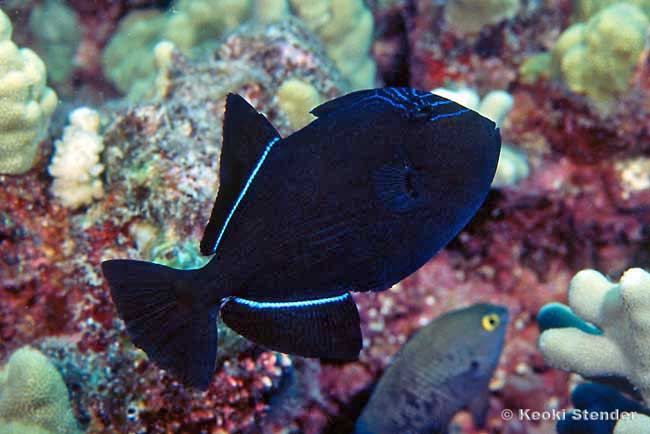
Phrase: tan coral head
[26,104]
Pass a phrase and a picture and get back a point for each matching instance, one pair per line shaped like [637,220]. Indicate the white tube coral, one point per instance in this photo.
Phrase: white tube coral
[622,311]
[75,165]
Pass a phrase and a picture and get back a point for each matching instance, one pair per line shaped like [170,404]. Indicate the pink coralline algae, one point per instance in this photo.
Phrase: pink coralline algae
[585,204]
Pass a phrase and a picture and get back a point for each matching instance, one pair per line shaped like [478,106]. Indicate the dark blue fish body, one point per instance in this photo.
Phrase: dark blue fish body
[355,201]
[444,368]
[596,398]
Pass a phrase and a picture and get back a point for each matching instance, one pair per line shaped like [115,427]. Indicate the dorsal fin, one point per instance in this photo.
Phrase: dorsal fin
[405,99]
[333,105]
[246,136]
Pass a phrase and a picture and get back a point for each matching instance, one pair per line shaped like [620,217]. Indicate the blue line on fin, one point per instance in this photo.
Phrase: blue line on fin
[246,186]
[246,133]
[326,328]
[290,304]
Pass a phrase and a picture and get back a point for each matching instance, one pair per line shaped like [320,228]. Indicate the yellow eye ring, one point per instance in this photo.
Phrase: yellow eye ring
[490,322]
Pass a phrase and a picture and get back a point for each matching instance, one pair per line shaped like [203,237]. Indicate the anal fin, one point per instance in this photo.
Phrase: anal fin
[326,328]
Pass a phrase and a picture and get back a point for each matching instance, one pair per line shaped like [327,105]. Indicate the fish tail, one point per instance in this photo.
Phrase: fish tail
[167,315]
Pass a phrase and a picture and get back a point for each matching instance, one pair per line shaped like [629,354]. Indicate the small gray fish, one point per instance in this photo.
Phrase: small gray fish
[444,368]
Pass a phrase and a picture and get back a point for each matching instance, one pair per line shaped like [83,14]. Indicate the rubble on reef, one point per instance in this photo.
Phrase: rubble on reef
[585,204]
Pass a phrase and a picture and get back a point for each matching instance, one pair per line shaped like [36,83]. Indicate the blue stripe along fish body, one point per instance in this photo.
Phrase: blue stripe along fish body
[445,367]
[355,201]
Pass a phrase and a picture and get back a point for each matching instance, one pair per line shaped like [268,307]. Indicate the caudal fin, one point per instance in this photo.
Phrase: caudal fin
[166,318]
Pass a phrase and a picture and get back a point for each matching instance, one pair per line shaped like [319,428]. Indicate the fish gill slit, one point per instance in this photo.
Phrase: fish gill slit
[245,189]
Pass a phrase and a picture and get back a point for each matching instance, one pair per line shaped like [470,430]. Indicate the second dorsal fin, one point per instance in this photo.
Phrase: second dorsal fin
[246,136]
[333,105]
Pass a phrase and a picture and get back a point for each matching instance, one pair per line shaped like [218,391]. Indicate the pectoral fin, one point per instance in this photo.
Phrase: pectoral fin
[479,407]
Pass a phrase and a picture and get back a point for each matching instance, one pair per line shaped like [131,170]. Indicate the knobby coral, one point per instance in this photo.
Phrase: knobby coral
[469,16]
[33,396]
[26,103]
[296,98]
[597,58]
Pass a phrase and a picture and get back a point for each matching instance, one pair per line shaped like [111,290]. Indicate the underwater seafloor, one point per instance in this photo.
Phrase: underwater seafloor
[134,175]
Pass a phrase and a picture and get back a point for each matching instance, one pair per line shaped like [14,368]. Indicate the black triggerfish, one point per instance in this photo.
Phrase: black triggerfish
[445,367]
[355,201]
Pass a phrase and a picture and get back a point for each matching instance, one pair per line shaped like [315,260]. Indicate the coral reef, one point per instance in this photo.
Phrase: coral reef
[26,104]
[597,58]
[619,311]
[196,21]
[584,204]
[585,9]
[75,165]
[33,396]
[57,35]
[470,16]
[128,59]
[344,27]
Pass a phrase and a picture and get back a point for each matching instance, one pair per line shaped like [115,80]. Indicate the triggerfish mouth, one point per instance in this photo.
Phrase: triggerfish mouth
[357,200]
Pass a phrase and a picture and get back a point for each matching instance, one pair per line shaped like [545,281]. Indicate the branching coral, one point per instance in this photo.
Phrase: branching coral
[621,311]
[75,165]
[26,104]
[33,396]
